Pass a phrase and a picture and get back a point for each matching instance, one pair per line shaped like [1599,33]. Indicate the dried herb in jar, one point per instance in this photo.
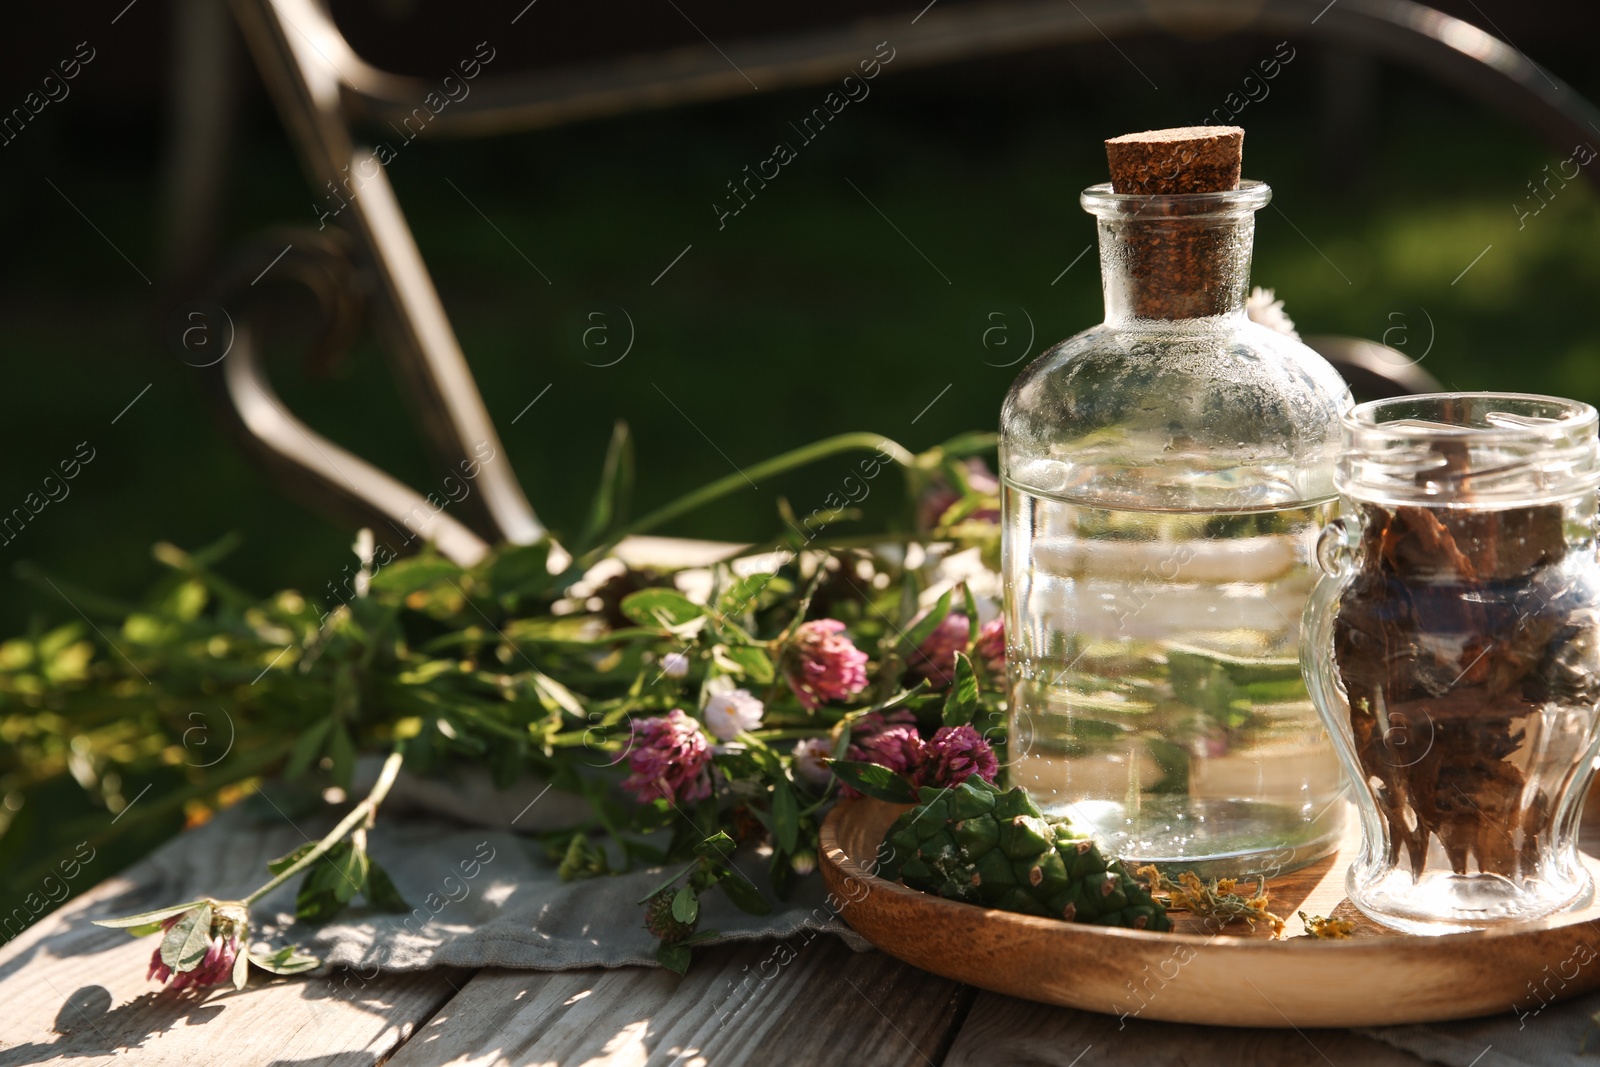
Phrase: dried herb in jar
[1461,645]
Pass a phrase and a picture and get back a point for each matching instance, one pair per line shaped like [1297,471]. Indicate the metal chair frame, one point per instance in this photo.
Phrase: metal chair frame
[322,89]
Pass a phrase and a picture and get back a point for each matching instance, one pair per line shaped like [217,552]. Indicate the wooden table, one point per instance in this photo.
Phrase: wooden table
[74,992]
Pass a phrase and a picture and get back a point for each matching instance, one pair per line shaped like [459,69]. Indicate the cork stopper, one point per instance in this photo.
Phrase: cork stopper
[1179,263]
[1188,159]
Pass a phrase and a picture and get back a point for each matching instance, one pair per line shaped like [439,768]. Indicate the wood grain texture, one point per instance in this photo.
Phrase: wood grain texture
[1376,978]
[71,991]
[793,1002]
[1001,1029]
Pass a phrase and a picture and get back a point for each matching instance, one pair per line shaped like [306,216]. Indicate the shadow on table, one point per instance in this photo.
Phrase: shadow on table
[87,1025]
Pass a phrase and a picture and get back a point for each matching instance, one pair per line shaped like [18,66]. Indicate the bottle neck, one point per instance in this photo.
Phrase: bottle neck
[1156,266]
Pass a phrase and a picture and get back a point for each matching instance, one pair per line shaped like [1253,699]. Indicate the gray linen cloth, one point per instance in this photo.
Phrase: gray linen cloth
[485,896]
[1561,1034]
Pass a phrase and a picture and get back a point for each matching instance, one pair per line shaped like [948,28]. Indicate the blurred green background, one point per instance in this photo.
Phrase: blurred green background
[809,314]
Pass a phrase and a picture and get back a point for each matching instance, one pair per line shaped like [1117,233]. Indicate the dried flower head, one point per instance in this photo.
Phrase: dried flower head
[955,754]
[1217,901]
[670,759]
[1268,312]
[990,648]
[940,495]
[889,739]
[206,952]
[660,921]
[810,759]
[824,664]
[1326,928]
[934,660]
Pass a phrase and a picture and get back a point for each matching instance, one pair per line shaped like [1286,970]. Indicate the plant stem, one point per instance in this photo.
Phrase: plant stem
[787,735]
[364,810]
[799,457]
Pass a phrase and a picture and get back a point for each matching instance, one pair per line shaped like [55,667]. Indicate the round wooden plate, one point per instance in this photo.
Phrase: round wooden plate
[1375,978]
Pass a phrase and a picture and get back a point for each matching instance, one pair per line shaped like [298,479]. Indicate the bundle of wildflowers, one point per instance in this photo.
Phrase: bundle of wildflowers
[696,712]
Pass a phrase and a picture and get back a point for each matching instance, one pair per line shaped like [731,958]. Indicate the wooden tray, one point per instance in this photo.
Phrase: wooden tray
[1375,978]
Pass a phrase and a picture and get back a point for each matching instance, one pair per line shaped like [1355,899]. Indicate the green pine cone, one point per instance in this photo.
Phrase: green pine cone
[976,844]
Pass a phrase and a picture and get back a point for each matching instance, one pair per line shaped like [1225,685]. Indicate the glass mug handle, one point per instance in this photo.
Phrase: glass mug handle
[1337,549]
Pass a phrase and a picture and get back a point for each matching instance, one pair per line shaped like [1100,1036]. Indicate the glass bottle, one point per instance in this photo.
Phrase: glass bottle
[1164,478]
[1454,649]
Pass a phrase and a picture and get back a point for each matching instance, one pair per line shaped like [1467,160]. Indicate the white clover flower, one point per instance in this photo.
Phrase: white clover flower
[675,665]
[808,759]
[1268,312]
[729,714]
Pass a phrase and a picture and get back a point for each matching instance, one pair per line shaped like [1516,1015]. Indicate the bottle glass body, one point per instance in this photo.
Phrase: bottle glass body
[1164,478]
[1453,646]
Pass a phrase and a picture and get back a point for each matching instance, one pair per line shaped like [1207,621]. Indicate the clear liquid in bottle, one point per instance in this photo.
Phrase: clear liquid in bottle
[1156,694]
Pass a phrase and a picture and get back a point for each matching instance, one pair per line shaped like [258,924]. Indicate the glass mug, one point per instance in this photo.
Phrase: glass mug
[1452,647]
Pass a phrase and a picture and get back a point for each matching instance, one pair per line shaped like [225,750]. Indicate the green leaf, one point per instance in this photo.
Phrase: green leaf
[522,571]
[744,595]
[554,695]
[342,753]
[286,960]
[873,780]
[184,601]
[770,763]
[962,702]
[785,817]
[700,937]
[380,891]
[352,874]
[609,512]
[307,749]
[662,608]
[645,899]
[674,958]
[925,626]
[404,577]
[685,905]
[744,896]
[319,897]
[185,944]
[754,662]
[284,862]
[718,846]
[147,922]
[427,671]
[902,698]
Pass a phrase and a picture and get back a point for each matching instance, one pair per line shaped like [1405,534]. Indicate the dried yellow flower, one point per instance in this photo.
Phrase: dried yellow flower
[1219,900]
[1327,929]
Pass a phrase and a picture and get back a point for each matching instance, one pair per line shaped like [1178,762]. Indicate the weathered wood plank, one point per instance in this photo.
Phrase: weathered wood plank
[71,990]
[1001,1029]
[66,1008]
[812,1003]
